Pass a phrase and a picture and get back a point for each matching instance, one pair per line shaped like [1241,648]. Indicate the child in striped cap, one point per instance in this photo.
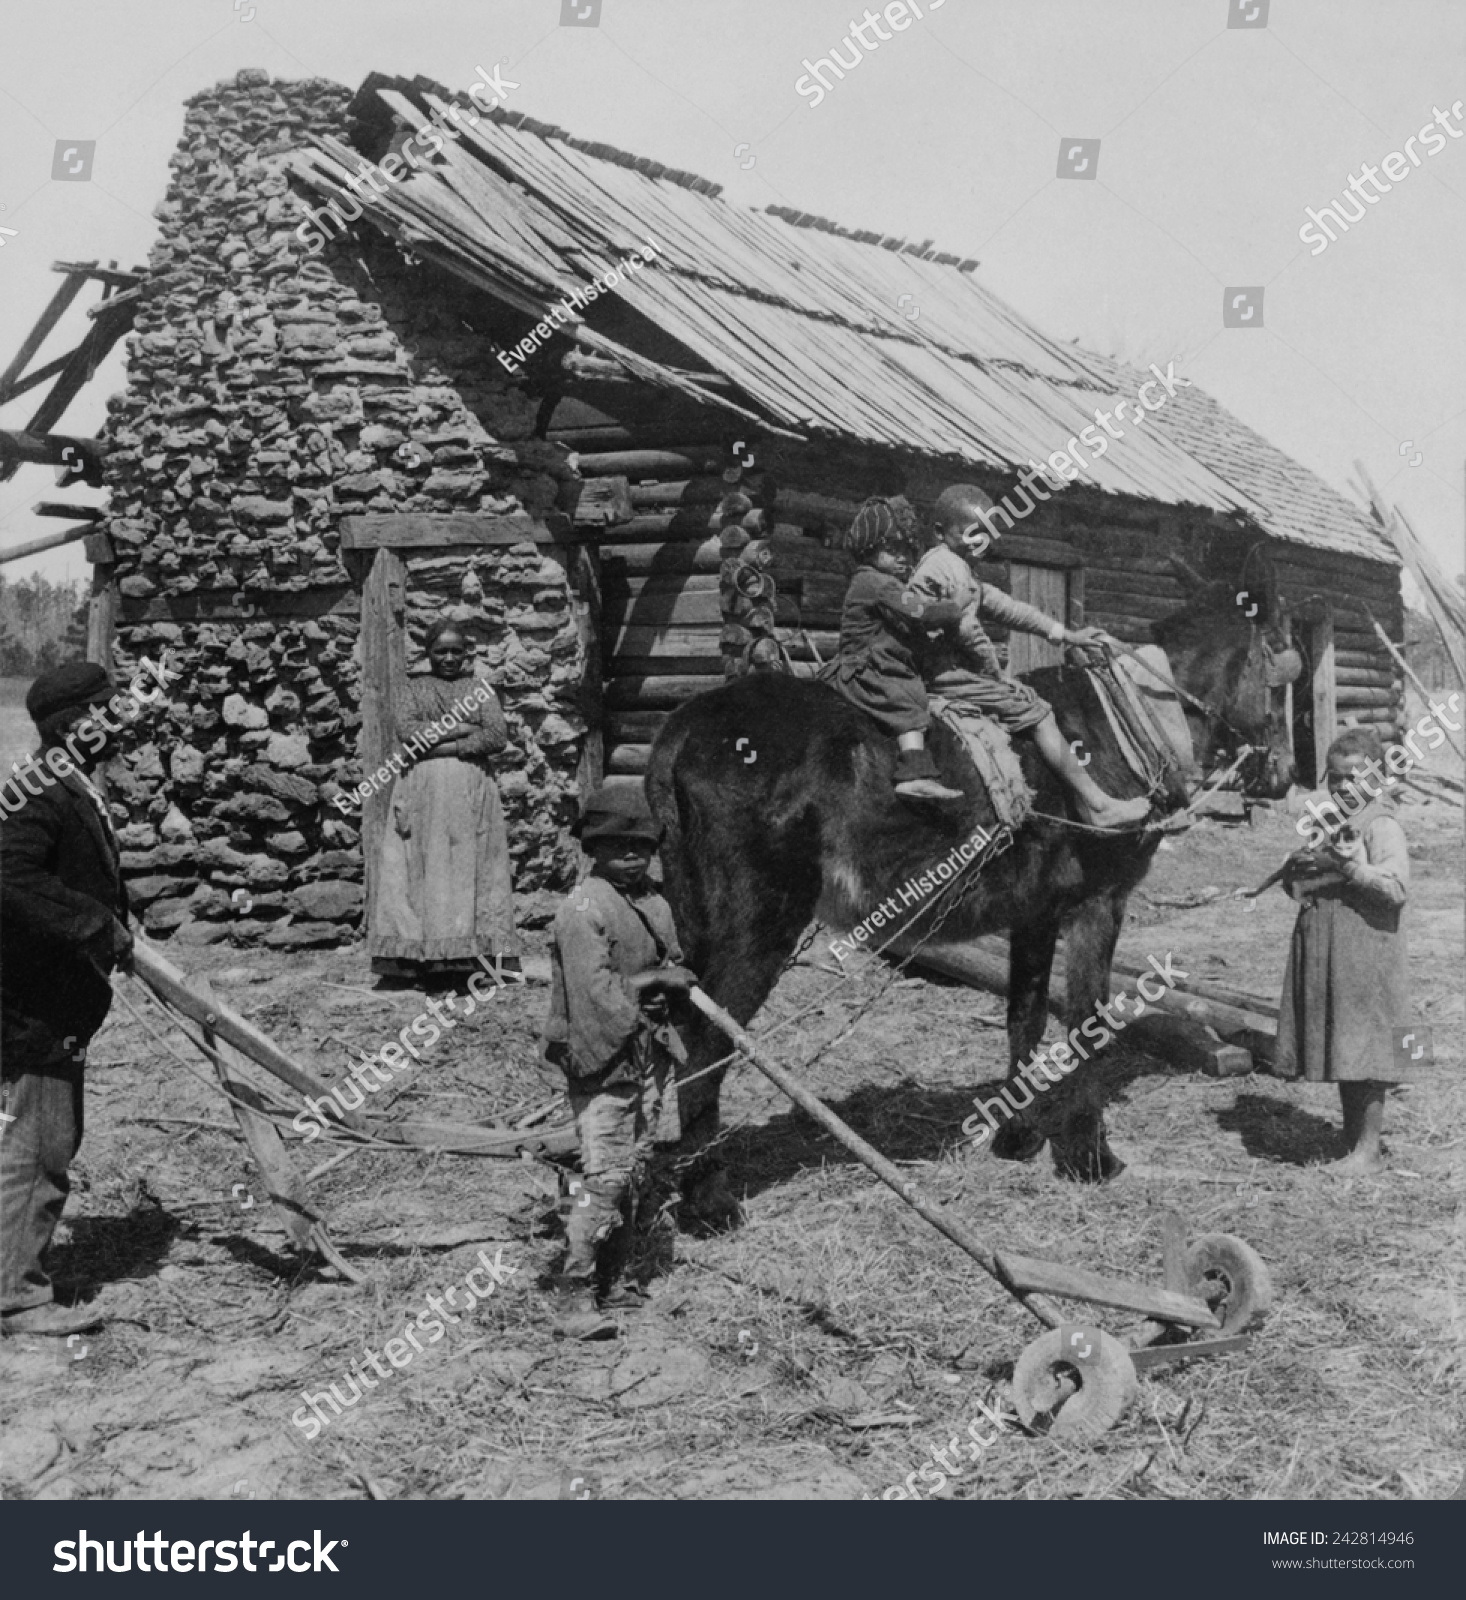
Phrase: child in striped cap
[883,633]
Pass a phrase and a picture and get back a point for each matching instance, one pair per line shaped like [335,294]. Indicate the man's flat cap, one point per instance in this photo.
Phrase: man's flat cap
[76,683]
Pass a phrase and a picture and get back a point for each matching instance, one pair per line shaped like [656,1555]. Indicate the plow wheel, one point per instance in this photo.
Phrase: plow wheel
[1077,1393]
[1230,1276]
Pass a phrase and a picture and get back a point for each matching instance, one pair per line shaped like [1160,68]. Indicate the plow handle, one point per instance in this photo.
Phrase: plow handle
[868,1156]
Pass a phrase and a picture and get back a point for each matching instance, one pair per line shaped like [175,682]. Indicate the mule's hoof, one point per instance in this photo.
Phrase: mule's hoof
[1090,1162]
[709,1204]
[1015,1141]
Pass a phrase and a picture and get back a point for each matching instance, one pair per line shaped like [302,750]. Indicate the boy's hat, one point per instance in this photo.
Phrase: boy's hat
[617,814]
[76,683]
[883,524]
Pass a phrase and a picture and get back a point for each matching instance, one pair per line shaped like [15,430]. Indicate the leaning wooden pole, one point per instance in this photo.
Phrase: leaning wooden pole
[304,1227]
[867,1154]
[47,541]
[160,975]
[1408,670]
[1074,1283]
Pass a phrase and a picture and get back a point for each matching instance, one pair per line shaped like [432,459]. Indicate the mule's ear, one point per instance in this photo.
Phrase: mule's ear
[1191,580]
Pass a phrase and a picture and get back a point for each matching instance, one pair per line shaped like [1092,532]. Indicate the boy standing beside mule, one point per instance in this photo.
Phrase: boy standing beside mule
[614,962]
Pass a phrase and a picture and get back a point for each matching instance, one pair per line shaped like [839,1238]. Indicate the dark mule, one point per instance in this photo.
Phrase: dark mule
[776,798]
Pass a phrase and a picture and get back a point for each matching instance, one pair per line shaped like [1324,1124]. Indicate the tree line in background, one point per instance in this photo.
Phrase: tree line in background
[41,625]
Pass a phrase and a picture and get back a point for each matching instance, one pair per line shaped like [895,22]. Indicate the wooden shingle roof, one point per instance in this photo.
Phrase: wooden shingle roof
[811,327]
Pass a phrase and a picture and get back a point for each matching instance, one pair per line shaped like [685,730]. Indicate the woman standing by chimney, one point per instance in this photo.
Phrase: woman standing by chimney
[444,895]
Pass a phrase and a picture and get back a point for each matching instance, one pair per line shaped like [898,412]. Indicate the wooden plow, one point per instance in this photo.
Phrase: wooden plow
[227,1039]
[1075,1380]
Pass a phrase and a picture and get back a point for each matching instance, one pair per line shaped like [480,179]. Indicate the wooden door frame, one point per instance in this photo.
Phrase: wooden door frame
[372,547]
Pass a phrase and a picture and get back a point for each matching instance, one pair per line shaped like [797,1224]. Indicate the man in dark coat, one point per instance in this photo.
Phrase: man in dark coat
[63,928]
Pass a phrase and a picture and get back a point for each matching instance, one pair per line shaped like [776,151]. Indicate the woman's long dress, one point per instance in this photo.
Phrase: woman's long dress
[443,886]
[1346,990]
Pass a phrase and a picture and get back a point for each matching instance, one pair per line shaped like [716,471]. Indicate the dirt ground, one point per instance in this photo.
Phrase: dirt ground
[828,1346]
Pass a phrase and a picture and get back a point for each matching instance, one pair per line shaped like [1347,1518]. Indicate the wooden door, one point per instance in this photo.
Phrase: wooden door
[1048,589]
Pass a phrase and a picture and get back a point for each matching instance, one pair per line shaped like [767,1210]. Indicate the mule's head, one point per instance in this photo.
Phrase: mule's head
[1231,649]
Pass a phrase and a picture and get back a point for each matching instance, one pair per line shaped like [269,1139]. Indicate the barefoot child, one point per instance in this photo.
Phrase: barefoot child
[968,675]
[882,635]
[1346,987]
[614,961]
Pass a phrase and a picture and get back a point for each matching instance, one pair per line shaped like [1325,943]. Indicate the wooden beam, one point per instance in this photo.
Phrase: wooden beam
[102,614]
[680,609]
[160,975]
[82,363]
[34,380]
[47,542]
[645,692]
[584,572]
[70,288]
[437,530]
[54,508]
[679,462]
[1024,1275]
[50,450]
[112,276]
[285,1189]
[662,558]
[383,668]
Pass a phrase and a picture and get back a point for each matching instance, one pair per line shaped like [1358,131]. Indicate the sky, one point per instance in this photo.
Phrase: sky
[1213,141]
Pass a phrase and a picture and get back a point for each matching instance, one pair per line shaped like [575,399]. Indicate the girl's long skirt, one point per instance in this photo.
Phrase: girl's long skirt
[443,888]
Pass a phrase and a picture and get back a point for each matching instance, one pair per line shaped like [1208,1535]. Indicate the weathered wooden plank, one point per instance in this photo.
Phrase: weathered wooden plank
[430,529]
[1026,1275]
[99,550]
[102,615]
[1160,1355]
[383,668]
[602,502]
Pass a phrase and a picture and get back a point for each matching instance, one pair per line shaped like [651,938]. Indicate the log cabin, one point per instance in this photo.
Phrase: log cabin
[398,351]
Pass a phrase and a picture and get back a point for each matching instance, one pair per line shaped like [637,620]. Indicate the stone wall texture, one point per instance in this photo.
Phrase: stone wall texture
[271,391]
